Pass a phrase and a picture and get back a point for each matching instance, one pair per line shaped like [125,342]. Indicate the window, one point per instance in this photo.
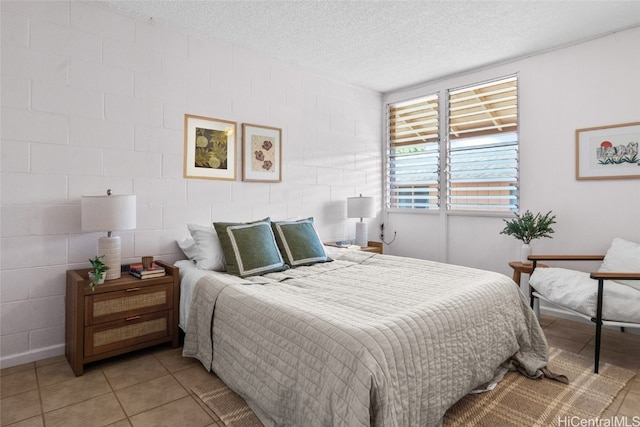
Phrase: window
[480,155]
[413,155]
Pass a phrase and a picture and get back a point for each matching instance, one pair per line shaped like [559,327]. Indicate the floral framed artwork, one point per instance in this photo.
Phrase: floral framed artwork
[608,152]
[261,153]
[209,148]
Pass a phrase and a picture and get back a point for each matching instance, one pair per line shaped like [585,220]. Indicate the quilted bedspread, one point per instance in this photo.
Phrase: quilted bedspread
[363,340]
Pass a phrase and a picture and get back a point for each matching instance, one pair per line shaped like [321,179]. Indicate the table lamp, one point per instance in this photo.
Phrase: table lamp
[361,207]
[109,213]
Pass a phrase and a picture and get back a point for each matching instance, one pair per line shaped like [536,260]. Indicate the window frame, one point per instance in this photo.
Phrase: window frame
[442,94]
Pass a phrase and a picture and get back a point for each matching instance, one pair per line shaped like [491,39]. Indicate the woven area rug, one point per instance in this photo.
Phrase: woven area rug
[516,401]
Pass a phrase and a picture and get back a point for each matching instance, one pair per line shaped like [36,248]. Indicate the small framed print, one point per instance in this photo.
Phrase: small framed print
[608,152]
[209,148]
[261,153]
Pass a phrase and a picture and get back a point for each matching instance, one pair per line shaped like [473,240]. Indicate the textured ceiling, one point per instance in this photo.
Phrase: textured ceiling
[387,45]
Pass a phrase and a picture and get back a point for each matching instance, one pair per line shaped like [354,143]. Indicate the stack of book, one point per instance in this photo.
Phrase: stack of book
[140,272]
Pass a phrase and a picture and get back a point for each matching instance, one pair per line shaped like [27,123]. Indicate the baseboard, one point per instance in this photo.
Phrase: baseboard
[31,356]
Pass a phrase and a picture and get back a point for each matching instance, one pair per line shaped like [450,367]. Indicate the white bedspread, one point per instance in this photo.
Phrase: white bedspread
[364,340]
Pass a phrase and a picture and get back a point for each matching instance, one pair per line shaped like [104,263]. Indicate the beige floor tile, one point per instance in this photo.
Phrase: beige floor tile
[151,394]
[184,412]
[90,385]
[172,359]
[546,320]
[126,372]
[192,377]
[634,384]
[568,332]
[97,412]
[19,407]
[627,360]
[564,343]
[631,405]
[50,360]
[122,423]
[575,325]
[18,368]
[54,373]
[30,422]
[628,341]
[630,333]
[18,383]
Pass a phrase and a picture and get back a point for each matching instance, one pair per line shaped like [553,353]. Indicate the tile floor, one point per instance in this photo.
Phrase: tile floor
[153,387]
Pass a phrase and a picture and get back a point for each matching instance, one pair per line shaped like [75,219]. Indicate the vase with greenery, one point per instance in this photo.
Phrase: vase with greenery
[528,227]
[97,276]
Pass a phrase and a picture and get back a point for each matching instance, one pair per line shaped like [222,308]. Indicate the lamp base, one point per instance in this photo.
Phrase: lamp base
[362,234]
[110,248]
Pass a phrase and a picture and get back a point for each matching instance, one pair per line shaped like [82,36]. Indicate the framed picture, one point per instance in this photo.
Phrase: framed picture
[261,153]
[608,152]
[209,148]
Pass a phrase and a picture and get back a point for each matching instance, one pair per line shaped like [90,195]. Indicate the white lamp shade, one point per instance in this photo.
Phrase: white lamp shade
[360,207]
[108,213]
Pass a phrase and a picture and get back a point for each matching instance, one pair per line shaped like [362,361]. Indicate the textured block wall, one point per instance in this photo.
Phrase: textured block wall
[95,99]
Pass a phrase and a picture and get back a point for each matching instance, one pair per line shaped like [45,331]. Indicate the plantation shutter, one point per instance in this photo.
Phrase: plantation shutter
[413,154]
[482,153]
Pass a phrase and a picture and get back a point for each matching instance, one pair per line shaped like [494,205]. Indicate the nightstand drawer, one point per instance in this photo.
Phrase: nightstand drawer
[111,336]
[129,302]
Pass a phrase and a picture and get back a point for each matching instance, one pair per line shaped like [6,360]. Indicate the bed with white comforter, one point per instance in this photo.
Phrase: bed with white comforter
[363,340]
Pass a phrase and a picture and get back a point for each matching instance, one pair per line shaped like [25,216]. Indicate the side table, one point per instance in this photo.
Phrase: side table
[372,246]
[120,316]
[519,268]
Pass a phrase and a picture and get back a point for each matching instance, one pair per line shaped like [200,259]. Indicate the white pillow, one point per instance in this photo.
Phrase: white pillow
[188,247]
[210,255]
[623,257]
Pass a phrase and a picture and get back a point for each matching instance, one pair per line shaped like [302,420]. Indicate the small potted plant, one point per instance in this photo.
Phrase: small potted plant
[527,227]
[97,276]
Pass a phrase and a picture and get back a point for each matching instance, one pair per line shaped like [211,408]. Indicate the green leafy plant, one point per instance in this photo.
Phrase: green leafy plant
[99,269]
[527,227]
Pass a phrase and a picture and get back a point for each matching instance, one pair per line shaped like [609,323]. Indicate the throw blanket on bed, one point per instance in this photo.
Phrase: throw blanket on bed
[364,340]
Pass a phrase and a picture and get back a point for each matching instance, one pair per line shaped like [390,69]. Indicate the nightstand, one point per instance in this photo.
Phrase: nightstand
[519,268]
[122,315]
[375,247]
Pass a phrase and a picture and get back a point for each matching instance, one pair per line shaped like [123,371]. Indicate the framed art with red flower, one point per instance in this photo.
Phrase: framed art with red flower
[261,153]
[608,152]
[209,148]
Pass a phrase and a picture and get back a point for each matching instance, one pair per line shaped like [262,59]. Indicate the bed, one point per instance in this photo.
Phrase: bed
[365,339]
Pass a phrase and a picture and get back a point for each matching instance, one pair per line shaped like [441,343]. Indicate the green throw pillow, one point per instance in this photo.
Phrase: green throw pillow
[250,248]
[299,242]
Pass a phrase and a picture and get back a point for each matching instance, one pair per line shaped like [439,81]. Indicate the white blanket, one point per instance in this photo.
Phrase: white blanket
[364,340]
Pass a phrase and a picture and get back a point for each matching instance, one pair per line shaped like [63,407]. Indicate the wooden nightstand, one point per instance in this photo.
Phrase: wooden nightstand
[375,247]
[122,315]
[519,268]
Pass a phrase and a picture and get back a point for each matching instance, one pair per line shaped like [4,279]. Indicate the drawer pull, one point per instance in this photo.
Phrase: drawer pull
[133,289]
[132,318]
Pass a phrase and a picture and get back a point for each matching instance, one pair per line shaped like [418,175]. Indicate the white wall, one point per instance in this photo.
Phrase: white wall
[95,99]
[591,84]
